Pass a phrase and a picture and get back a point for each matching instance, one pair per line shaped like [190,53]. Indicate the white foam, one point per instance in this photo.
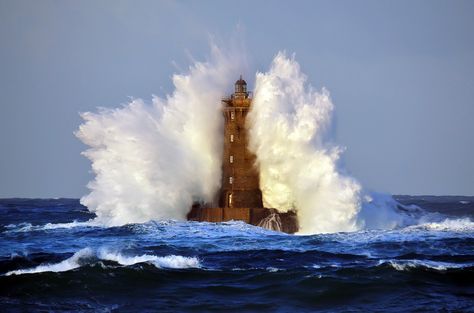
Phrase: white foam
[287,126]
[406,265]
[27,227]
[69,264]
[449,224]
[169,261]
[152,160]
[269,269]
[176,261]
[88,256]
[298,165]
[21,227]
[71,225]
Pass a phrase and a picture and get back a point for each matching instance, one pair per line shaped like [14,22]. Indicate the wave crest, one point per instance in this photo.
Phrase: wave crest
[88,256]
[449,224]
[407,265]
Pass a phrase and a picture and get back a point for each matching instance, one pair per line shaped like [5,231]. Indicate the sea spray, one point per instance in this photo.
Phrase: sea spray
[151,161]
[297,169]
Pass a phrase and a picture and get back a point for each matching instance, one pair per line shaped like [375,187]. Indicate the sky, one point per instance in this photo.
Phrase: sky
[400,73]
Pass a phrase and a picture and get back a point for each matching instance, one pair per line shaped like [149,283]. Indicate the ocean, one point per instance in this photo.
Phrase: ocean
[53,258]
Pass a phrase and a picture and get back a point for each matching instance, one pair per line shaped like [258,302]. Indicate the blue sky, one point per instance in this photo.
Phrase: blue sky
[401,74]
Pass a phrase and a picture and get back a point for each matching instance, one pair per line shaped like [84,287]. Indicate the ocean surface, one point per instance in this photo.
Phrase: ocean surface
[53,259]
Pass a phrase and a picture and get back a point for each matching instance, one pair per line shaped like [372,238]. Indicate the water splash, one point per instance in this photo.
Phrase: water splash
[151,161]
[271,222]
[297,169]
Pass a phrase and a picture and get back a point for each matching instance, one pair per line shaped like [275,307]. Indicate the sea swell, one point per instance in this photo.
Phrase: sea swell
[69,264]
[88,256]
[336,287]
[238,246]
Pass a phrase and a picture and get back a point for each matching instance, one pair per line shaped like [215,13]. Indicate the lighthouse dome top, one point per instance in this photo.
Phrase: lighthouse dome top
[241,81]
[240,88]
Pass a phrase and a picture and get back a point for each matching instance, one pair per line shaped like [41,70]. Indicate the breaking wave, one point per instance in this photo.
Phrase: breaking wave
[27,227]
[77,260]
[298,166]
[151,161]
[170,261]
[88,256]
[407,265]
[448,225]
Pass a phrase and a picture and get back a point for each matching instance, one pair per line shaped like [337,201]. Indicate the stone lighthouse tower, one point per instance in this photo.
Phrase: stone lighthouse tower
[240,178]
[240,197]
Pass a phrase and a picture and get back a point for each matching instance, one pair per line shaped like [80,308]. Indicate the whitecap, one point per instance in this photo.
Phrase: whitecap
[88,256]
[28,227]
[406,265]
[169,261]
[457,225]
[75,261]
[90,223]
[176,261]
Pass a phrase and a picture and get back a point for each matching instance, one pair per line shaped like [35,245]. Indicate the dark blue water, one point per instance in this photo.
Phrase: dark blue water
[53,260]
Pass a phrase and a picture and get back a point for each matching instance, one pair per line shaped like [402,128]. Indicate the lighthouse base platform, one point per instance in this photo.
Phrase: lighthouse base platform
[264,217]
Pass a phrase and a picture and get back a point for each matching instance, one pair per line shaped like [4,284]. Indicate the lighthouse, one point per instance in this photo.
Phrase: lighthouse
[240,197]
[240,178]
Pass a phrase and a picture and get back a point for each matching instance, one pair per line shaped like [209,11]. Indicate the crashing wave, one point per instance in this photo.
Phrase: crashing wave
[151,161]
[81,257]
[88,256]
[169,261]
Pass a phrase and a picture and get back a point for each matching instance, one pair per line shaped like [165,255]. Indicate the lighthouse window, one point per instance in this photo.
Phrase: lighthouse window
[231,159]
[231,138]
[231,180]
[232,115]
[230,199]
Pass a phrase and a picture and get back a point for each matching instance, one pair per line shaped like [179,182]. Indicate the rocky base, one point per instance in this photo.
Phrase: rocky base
[263,217]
